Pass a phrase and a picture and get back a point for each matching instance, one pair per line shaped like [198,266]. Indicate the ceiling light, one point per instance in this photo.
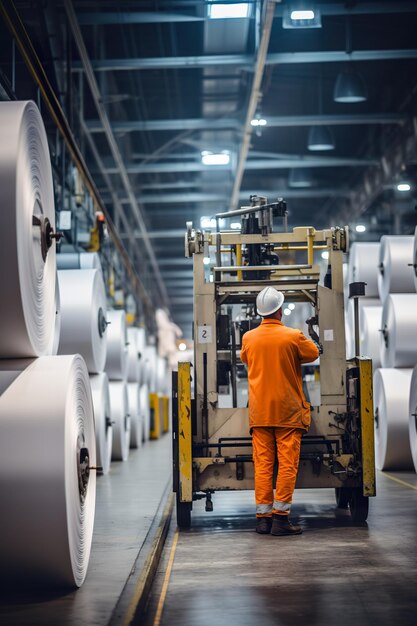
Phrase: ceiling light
[211,279]
[300,178]
[360,228]
[258,121]
[325,254]
[287,311]
[182,346]
[235,225]
[215,158]
[403,187]
[226,11]
[320,138]
[206,260]
[350,87]
[291,306]
[302,15]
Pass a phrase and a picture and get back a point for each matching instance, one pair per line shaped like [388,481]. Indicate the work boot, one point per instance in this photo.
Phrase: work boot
[281,525]
[263,525]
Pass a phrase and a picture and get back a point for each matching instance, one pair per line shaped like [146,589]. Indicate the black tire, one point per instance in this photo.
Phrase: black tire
[359,506]
[342,497]
[183,514]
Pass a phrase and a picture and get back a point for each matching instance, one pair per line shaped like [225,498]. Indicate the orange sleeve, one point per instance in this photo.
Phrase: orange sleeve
[243,354]
[307,349]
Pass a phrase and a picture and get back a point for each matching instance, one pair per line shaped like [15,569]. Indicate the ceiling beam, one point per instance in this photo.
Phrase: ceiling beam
[284,121]
[254,164]
[245,60]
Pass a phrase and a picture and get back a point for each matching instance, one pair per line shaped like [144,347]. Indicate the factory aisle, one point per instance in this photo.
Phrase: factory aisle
[223,573]
[127,501]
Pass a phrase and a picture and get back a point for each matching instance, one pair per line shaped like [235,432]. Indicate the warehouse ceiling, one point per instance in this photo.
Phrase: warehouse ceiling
[153,87]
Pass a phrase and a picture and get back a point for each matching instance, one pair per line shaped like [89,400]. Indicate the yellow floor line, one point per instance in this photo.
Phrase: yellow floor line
[401,482]
[164,589]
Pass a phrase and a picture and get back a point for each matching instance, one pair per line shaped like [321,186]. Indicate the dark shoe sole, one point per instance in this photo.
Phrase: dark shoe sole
[284,533]
[262,532]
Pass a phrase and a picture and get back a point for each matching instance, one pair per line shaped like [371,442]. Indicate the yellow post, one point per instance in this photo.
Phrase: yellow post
[165,413]
[155,431]
[239,260]
[367,426]
[184,433]
[310,246]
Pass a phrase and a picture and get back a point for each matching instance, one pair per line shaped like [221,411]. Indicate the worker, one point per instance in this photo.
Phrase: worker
[278,411]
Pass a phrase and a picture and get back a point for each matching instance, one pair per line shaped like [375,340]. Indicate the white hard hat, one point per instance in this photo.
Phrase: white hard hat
[268,301]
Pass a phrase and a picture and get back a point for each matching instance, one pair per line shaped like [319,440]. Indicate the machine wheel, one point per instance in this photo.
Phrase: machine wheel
[183,514]
[359,506]
[342,497]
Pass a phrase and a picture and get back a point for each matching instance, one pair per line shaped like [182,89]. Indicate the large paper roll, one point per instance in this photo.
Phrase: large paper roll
[150,368]
[136,424]
[83,316]
[119,407]
[28,265]
[396,274]
[78,261]
[391,397]
[370,334]
[47,492]
[398,339]
[117,345]
[363,266]
[102,416]
[54,345]
[412,416]
[350,320]
[145,411]
[133,366]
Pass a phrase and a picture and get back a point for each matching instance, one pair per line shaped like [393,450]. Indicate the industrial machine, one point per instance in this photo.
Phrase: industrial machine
[211,440]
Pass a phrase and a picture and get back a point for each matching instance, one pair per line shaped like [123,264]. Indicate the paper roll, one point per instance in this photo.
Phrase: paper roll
[133,367]
[54,345]
[150,368]
[28,265]
[83,316]
[398,339]
[117,345]
[396,275]
[370,334]
[119,407]
[414,261]
[102,416]
[363,266]
[78,261]
[350,320]
[145,411]
[391,398]
[412,417]
[136,435]
[47,491]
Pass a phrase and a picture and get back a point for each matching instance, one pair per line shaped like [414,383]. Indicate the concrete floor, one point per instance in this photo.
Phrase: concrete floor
[127,500]
[335,573]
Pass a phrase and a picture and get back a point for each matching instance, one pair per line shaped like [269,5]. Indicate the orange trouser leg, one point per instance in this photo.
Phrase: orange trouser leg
[263,445]
[288,441]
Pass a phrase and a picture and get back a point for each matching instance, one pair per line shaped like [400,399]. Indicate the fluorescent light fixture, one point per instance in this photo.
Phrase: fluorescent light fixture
[302,15]
[360,228]
[215,158]
[182,346]
[235,225]
[325,254]
[403,187]
[258,121]
[291,306]
[206,260]
[287,311]
[228,11]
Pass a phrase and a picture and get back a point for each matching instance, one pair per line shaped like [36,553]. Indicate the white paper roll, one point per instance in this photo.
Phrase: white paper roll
[117,345]
[391,397]
[48,498]
[414,261]
[83,316]
[396,275]
[350,320]
[136,423]
[27,272]
[133,367]
[371,335]
[398,340]
[412,416]
[53,348]
[150,368]
[102,417]
[119,407]
[363,266]
[78,261]
[145,411]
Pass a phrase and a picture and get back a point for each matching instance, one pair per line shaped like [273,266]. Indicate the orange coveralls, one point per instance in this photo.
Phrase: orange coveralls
[278,411]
